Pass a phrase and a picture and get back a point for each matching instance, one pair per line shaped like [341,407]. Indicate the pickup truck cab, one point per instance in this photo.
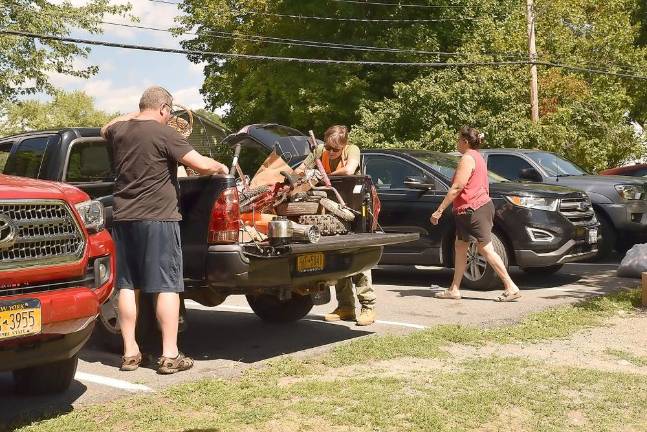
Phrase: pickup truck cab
[619,202]
[56,269]
[281,284]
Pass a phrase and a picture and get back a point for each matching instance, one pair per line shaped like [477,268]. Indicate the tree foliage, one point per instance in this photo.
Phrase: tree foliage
[64,110]
[585,116]
[306,95]
[25,64]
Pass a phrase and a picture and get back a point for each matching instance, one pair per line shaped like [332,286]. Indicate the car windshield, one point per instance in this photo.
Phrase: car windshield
[555,165]
[445,165]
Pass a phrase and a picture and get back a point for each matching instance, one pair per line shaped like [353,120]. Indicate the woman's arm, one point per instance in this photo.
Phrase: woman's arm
[463,173]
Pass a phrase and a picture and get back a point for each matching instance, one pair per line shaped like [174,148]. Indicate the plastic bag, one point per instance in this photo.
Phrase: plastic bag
[634,263]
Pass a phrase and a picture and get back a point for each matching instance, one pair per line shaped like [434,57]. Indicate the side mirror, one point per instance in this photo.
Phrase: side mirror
[530,174]
[419,183]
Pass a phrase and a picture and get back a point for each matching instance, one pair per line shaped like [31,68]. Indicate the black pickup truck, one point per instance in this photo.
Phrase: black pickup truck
[281,284]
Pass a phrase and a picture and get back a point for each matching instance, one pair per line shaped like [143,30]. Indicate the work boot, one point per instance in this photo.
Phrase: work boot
[341,313]
[366,317]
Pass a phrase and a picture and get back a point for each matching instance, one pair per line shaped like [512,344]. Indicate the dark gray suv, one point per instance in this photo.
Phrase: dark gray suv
[620,203]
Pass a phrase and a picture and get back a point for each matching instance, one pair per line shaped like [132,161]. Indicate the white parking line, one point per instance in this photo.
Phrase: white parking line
[112,382]
[391,323]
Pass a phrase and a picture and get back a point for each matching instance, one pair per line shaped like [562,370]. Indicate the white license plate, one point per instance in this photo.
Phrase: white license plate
[593,236]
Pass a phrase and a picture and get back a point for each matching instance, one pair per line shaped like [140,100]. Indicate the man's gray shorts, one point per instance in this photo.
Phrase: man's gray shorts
[149,256]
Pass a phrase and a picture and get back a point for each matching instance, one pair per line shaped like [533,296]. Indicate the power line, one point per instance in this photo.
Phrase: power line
[313,44]
[251,56]
[322,18]
[373,3]
[364,20]
[399,4]
[315,61]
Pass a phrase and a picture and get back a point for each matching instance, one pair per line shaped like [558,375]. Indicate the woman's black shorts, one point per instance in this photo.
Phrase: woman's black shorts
[149,256]
[476,224]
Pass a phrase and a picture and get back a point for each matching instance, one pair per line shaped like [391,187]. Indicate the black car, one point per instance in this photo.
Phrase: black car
[619,202]
[537,227]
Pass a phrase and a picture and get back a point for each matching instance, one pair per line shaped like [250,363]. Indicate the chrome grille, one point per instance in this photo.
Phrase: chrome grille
[46,233]
[578,210]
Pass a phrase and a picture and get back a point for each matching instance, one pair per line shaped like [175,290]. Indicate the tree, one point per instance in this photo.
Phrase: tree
[64,110]
[304,95]
[26,63]
[585,116]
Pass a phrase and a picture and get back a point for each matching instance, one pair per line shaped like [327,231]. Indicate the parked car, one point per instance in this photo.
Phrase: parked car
[620,203]
[537,227]
[56,269]
[636,170]
[281,284]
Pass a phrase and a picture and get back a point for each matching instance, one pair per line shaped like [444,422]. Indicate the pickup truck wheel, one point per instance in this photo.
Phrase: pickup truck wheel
[608,237]
[46,379]
[543,270]
[107,331]
[479,274]
[270,309]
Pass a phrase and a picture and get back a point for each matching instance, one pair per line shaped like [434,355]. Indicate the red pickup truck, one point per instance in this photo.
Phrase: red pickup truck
[56,269]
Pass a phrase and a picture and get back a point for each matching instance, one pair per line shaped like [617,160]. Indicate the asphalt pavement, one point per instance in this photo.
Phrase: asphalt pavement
[229,338]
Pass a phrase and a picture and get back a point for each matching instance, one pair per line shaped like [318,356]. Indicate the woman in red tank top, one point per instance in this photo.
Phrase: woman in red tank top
[473,213]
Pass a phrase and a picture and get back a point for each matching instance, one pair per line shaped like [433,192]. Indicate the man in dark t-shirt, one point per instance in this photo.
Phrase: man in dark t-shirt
[146,230]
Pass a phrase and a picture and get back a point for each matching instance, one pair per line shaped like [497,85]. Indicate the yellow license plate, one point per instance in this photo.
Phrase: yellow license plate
[310,262]
[19,318]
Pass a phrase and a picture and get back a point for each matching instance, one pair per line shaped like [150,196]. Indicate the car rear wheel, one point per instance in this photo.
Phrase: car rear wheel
[270,309]
[479,274]
[46,379]
[543,270]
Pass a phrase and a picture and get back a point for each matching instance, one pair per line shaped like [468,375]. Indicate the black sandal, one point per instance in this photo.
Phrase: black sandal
[169,366]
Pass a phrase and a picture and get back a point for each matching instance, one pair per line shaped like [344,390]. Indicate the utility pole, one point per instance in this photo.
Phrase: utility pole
[532,50]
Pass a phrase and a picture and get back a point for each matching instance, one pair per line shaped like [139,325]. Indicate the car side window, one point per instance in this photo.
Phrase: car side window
[89,162]
[5,150]
[507,166]
[390,173]
[28,158]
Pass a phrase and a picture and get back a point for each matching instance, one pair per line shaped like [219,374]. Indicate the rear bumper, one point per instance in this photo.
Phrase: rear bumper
[234,269]
[48,347]
[571,251]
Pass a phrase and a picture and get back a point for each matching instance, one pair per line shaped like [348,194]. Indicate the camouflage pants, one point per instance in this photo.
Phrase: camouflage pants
[364,287]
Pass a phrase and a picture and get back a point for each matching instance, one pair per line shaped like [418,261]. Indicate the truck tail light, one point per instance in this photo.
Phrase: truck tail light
[225,218]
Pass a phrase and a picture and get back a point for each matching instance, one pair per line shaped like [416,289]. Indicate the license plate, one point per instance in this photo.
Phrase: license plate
[310,262]
[593,236]
[19,318]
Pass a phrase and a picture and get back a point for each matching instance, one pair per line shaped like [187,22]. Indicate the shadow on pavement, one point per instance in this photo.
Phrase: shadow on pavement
[18,410]
[238,336]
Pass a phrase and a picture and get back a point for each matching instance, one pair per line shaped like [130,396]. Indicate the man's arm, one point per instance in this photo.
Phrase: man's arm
[104,129]
[203,164]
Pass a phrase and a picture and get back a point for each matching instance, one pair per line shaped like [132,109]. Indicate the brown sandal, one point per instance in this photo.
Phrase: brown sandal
[131,363]
[172,365]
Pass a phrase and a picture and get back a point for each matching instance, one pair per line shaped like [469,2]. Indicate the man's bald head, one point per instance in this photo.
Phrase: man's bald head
[154,98]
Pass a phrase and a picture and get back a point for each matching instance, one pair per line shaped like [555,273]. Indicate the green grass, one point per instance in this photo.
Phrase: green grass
[558,322]
[485,394]
[492,392]
[635,360]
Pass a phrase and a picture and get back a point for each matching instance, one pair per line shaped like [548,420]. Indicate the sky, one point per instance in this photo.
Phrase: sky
[124,74]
